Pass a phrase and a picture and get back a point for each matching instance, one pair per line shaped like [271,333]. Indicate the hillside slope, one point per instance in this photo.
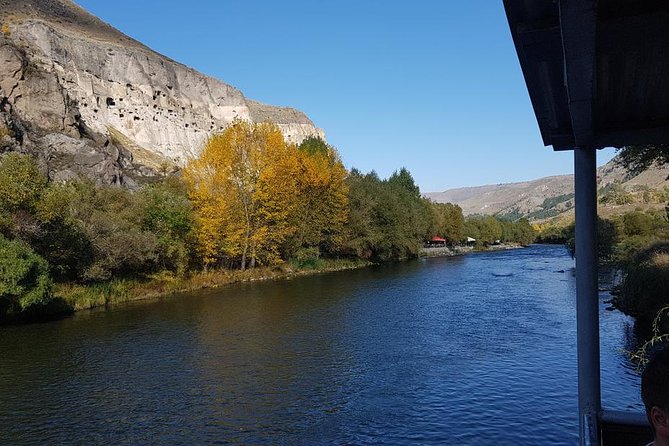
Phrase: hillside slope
[73,88]
[553,197]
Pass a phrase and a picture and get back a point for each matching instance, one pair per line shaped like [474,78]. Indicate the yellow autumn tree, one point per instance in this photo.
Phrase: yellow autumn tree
[244,188]
[322,205]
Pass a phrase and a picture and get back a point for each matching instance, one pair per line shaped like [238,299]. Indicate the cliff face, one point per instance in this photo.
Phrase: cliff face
[74,91]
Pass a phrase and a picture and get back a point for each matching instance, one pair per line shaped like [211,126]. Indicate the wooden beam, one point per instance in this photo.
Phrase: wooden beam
[578,22]
[632,32]
[631,136]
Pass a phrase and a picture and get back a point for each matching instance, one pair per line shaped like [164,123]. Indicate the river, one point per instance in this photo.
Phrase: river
[471,350]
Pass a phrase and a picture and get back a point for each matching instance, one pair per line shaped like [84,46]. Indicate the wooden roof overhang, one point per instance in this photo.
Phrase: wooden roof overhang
[597,72]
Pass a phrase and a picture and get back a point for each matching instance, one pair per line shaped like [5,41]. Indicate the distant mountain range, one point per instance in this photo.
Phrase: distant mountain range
[552,198]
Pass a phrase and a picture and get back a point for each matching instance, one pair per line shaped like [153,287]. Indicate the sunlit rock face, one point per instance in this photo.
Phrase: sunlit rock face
[64,71]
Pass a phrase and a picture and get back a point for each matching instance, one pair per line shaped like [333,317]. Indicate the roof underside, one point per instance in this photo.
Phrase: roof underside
[597,71]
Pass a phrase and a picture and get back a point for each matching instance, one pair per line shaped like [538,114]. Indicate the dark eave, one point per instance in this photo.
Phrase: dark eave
[597,71]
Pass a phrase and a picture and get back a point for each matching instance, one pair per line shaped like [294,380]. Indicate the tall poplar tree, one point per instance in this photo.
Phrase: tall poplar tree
[243,187]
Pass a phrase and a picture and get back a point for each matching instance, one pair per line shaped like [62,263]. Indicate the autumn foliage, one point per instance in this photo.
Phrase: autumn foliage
[260,200]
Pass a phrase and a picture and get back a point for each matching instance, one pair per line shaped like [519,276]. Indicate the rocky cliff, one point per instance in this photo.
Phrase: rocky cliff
[86,99]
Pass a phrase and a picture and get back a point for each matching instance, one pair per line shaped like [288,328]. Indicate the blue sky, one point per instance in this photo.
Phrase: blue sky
[433,86]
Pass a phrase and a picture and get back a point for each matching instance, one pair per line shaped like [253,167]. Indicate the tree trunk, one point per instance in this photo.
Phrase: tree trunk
[253,255]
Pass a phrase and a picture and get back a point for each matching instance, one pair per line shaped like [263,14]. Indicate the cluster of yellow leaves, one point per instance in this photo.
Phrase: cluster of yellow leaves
[257,197]
[5,29]
[243,187]
[323,206]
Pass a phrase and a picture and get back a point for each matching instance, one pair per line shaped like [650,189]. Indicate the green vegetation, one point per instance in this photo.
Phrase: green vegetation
[448,222]
[637,244]
[489,230]
[615,194]
[251,207]
[607,237]
[25,285]
[388,219]
[644,289]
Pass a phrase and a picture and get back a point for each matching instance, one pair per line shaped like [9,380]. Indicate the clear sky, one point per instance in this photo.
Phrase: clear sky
[434,86]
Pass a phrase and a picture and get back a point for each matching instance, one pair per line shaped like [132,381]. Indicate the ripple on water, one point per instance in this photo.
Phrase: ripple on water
[478,349]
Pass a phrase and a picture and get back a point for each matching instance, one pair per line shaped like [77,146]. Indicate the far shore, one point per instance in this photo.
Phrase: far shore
[449,251]
[85,297]
[73,298]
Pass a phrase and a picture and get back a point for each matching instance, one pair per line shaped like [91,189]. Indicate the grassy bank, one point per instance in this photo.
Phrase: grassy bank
[81,297]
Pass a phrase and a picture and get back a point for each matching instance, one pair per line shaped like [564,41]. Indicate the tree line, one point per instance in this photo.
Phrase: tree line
[249,199]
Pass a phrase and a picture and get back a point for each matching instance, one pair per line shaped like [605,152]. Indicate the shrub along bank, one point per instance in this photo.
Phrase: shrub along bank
[637,243]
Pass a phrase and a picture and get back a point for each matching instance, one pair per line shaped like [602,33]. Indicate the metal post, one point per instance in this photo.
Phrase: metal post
[587,298]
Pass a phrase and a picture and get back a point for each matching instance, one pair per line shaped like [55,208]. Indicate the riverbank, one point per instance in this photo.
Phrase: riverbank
[84,297]
[445,251]
[72,297]
[77,297]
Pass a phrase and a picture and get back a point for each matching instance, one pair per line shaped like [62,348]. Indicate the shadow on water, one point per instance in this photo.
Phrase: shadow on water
[57,308]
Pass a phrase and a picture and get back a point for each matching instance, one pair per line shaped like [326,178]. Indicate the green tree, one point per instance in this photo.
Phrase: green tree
[25,284]
[607,237]
[448,222]
[403,180]
[21,182]
[110,219]
[638,158]
[485,229]
[61,241]
[167,213]
[388,220]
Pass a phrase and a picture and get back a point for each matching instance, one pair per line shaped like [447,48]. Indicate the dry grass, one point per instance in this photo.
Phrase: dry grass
[660,260]
[82,297]
[4,131]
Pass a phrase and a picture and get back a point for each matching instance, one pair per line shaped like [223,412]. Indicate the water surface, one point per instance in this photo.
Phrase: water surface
[472,350]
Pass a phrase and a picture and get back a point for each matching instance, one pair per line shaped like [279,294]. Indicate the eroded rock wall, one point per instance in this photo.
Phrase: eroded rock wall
[96,100]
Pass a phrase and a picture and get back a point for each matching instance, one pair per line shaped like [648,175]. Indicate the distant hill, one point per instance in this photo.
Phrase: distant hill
[552,197]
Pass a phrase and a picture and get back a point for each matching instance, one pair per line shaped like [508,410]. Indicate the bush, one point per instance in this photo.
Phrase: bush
[645,286]
[307,258]
[25,284]
[607,237]
[21,182]
[167,213]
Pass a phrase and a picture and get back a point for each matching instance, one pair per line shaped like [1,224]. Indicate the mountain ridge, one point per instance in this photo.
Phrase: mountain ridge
[552,197]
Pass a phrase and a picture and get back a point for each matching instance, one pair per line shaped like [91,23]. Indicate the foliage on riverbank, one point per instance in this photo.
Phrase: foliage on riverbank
[251,201]
[637,243]
[644,290]
[490,230]
[78,296]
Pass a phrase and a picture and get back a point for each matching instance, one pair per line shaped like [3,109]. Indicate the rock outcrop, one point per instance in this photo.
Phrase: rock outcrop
[86,99]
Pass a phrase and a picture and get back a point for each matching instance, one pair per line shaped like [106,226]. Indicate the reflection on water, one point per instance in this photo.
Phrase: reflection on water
[468,350]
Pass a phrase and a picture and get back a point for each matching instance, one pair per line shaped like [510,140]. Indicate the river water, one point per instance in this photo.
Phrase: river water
[471,350]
